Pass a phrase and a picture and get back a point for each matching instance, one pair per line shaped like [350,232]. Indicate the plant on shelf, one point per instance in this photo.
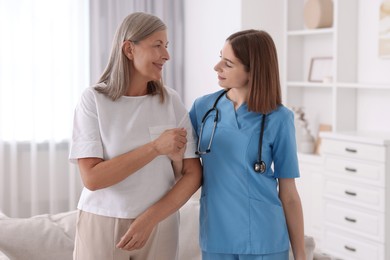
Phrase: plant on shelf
[304,139]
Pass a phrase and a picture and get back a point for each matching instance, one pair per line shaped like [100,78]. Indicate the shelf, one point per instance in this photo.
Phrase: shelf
[304,84]
[368,86]
[308,32]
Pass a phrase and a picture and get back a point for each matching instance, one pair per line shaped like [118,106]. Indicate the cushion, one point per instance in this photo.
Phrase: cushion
[43,237]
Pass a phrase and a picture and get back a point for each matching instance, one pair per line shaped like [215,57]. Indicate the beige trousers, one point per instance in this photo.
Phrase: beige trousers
[97,236]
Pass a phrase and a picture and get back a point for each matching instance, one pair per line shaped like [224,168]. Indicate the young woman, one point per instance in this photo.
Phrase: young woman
[130,136]
[250,208]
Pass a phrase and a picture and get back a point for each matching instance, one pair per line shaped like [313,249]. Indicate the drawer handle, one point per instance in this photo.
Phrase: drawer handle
[350,219]
[350,169]
[350,193]
[350,150]
[350,248]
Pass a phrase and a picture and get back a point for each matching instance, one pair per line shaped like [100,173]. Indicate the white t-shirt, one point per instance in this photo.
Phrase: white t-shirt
[105,129]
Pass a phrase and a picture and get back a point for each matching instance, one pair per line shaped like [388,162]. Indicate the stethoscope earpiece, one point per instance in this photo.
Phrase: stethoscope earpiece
[260,167]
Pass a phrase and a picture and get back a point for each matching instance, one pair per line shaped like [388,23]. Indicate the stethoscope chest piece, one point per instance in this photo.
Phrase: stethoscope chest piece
[260,167]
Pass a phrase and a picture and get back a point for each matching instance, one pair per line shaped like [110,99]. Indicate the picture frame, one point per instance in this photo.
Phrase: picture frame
[321,69]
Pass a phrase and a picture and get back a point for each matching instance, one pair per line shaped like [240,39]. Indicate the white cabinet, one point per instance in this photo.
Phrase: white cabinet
[310,190]
[356,196]
[353,178]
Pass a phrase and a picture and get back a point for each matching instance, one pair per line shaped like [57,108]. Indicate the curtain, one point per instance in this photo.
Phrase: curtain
[44,66]
[106,16]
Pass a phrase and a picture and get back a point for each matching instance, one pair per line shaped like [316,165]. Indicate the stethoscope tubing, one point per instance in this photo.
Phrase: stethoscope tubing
[259,166]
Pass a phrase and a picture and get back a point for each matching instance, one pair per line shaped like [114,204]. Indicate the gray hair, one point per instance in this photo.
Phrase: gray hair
[116,76]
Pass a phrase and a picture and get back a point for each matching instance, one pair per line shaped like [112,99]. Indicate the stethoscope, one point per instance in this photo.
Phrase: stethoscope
[259,166]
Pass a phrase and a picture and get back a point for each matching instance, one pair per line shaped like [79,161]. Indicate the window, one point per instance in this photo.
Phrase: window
[44,50]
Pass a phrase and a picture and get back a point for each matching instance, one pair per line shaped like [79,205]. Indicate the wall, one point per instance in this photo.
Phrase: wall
[372,106]
[268,16]
[207,25]
[371,68]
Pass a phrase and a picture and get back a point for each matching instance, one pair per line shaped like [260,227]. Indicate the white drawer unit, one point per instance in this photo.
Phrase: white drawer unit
[348,247]
[358,170]
[356,196]
[357,221]
[366,196]
[355,150]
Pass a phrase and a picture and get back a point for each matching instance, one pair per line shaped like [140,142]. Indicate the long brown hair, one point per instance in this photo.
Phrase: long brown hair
[116,77]
[257,52]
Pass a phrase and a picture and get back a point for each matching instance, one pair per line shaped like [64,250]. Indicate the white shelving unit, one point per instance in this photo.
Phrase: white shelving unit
[333,103]
[324,103]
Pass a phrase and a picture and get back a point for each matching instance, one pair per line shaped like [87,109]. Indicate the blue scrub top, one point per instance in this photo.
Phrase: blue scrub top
[240,210]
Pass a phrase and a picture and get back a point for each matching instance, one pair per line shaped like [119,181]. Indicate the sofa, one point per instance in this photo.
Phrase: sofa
[51,236]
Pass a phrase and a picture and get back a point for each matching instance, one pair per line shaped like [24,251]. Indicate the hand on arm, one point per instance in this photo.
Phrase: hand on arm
[177,160]
[294,216]
[177,163]
[141,228]
[97,173]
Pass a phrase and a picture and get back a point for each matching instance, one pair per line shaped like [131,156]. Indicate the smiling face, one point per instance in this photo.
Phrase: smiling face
[231,72]
[148,56]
